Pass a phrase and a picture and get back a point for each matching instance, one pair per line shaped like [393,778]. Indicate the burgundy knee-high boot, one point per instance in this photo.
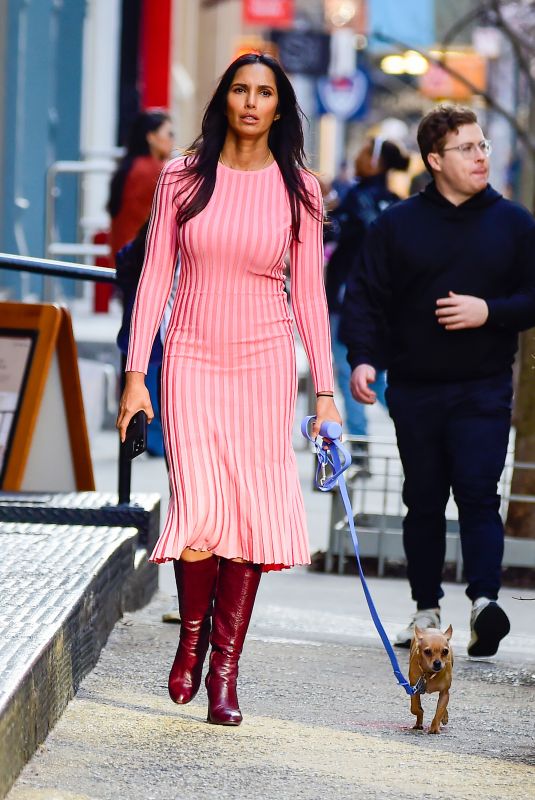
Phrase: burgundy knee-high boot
[196,582]
[237,584]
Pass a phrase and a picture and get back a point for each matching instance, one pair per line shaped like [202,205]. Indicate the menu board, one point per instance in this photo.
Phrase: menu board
[16,350]
[44,444]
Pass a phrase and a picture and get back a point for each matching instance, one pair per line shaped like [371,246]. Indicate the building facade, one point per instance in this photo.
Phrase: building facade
[41,52]
[75,73]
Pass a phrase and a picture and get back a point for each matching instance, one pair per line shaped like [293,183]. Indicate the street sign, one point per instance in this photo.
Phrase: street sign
[346,98]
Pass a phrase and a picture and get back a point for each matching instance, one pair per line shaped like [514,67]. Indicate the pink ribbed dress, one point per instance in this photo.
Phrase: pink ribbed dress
[229,380]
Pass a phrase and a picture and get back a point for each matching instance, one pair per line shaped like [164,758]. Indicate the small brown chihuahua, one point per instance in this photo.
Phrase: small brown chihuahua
[431,659]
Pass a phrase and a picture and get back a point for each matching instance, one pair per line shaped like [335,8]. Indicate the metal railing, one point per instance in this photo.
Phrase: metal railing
[79,169]
[56,269]
[84,172]
[375,486]
[66,269]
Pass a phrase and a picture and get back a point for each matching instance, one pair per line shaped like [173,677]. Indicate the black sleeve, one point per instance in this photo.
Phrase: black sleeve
[364,328]
[517,311]
[343,219]
[340,265]
[129,263]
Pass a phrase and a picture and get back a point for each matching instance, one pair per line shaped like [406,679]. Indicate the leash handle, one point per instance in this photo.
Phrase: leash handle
[330,433]
[329,429]
[329,453]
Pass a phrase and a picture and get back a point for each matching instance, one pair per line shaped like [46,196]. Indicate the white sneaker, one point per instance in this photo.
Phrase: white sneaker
[424,618]
[173,615]
[488,625]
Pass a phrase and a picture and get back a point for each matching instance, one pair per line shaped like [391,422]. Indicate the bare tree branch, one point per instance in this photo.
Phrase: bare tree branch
[491,11]
[460,24]
[520,17]
[523,135]
[517,44]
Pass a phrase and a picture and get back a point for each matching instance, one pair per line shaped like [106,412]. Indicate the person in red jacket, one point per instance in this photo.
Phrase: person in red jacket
[150,143]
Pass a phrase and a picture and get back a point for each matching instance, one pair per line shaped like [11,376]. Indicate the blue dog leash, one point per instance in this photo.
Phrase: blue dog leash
[328,455]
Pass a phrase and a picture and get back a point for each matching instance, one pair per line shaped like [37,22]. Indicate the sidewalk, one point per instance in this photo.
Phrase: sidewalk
[324,717]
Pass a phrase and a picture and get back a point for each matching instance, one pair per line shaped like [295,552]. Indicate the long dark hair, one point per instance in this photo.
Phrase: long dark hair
[391,156]
[137,145]
[285,142]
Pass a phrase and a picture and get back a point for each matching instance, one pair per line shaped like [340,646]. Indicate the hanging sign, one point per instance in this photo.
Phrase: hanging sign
[346,98]
[439,84]
[273,13]
[303,52]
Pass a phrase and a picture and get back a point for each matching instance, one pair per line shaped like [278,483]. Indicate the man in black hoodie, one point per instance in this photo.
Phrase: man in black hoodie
[445,282]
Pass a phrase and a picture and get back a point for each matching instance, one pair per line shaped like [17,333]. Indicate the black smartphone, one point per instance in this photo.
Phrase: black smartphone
[135,441]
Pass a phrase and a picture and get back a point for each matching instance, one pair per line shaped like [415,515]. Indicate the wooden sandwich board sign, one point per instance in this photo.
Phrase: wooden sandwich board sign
[44,444]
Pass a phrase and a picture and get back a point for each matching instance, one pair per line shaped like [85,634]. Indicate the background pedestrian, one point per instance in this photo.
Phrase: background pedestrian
[349,221]
[150,143]
[445,282]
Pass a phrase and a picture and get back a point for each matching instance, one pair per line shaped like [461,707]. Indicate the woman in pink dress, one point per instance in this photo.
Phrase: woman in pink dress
[233,207]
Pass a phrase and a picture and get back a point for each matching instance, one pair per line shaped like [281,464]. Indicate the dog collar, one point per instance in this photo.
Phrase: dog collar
[420,685]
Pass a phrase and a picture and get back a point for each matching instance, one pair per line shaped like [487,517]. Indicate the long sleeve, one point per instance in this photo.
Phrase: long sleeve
[158,271]
[309,303]
[364,327]
[516,312]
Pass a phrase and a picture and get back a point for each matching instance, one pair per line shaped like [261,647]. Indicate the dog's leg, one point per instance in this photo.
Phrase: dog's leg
[417,710]
[445,717]
[442,704]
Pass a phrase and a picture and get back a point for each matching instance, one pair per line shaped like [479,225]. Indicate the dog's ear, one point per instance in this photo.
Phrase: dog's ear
[418,632]
[448,634]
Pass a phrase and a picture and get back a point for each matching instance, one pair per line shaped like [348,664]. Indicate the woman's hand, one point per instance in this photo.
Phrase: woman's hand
[134,398]
[325,410]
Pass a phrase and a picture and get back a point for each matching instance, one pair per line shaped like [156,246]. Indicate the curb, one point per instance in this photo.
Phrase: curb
[78,599]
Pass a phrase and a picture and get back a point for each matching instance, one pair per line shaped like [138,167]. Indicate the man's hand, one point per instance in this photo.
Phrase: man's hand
[360,378]
[458,311]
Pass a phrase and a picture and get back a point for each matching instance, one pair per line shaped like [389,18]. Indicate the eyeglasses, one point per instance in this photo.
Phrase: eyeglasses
[469,149]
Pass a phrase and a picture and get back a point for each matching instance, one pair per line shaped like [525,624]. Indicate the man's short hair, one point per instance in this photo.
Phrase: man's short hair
[436,125]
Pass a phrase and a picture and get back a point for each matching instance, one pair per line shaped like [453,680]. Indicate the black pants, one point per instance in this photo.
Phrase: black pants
[452,436]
